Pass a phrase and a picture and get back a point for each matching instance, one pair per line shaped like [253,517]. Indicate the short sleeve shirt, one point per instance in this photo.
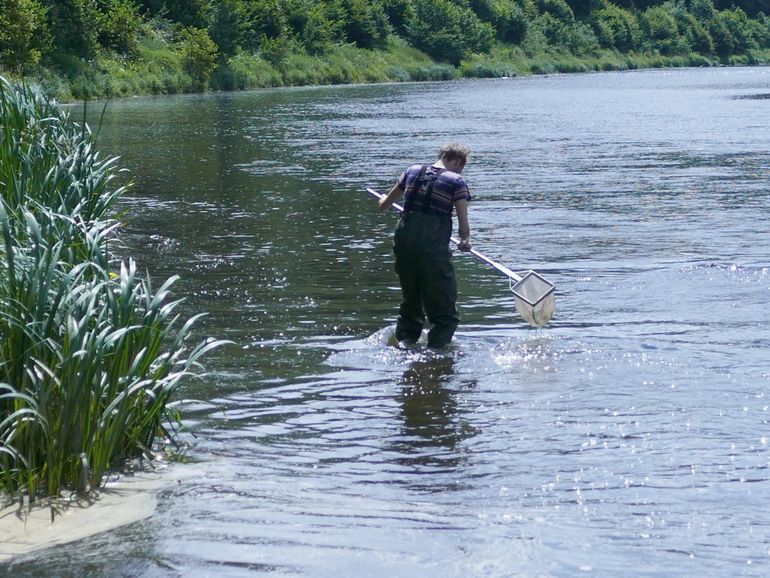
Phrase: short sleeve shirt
[450,187]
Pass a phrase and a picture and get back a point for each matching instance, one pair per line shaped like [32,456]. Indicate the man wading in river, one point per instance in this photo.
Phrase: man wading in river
[421,244]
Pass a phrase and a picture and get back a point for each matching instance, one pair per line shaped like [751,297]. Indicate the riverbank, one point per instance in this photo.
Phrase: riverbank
[49,522]
[159,71]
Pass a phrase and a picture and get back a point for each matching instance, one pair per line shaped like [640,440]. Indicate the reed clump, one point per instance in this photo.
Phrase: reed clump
[90,352]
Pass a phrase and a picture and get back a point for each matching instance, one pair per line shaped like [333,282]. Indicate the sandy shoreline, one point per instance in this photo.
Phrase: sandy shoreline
[122,501]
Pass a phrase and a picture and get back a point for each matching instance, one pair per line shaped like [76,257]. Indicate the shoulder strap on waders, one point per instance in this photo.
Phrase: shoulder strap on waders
[428,194]
[409,200]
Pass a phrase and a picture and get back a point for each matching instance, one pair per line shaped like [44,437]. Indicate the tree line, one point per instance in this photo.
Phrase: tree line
[205,34]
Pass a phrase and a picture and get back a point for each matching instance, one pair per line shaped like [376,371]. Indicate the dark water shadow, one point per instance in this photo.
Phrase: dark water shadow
[433,426]
[761,96]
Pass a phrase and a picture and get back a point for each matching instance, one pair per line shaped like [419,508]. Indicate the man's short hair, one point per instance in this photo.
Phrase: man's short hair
[454,151]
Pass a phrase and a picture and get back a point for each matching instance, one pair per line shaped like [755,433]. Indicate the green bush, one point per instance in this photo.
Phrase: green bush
[366,23]
[199,55]
[694,33]
[724,43]
[448,32]
[510,22]
[488,66]
[741,30]
[120,26]
[248,71]
[698,60]
[258,20]
[24,36]
[661,31]
[616,28]
[760,31]
[559,9]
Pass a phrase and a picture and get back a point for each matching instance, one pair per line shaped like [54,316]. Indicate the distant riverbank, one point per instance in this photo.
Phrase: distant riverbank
[163,73]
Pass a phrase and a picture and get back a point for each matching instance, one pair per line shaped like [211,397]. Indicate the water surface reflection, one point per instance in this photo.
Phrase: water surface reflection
[433,427]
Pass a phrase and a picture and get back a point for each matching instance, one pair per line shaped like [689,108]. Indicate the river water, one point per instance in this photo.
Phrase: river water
[629,437]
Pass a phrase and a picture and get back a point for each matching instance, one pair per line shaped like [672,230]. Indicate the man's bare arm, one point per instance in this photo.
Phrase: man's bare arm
[393,195]
[464,228]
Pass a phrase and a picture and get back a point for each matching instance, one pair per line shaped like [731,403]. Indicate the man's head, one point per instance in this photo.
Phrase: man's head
[454,154]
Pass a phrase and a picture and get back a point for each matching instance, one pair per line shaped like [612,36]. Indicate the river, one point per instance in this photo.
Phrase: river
[627,438]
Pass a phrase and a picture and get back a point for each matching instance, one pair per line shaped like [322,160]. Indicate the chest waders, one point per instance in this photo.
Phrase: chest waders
[424,268]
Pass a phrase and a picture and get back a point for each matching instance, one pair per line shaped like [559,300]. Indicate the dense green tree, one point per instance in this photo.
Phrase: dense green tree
[559,9]
[72,23]
[738,23]
[448,32]
[261,22]
[703,10]
[189,12]
[366,23]
[152,7]
[583,8]
[693,32]
[399,13]
[199,54]
[662,32]
[616,28]
[484,9]
[751,7]
[761,30]
[320,28]
[296,12]
[23,33]
[505,16]
[724,43]
[225,27]
[510,21]
[120,25]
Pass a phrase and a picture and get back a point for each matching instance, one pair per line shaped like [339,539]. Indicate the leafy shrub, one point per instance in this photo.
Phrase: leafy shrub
[225,27]
[199,55]
[366,23]
[244,71]
[741,30]
[258,20]
[616,28]
[448,32]
[724,43]
[661,31]
[274,50]
[24,35]
[695,34]
[510,22]
[120,26]
[559,9]
[399,14]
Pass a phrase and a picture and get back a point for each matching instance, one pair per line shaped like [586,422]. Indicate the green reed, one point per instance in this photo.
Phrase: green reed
[90,353]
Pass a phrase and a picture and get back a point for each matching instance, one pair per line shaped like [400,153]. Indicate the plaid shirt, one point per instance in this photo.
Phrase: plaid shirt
[450,187]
